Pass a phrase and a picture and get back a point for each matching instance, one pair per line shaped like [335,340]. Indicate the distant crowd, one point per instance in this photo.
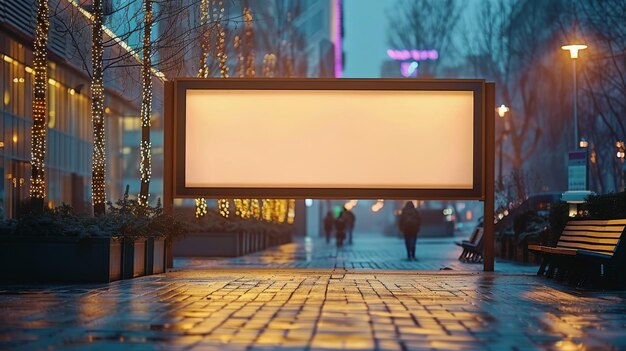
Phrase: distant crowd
[342,226]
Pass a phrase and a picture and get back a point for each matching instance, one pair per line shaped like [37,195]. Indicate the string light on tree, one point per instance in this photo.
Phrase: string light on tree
[255,209]
[291,212]
[250,53]
[269,65]
[221,38]
[205,39]
[145,166]
[40,87]
[223,206]
[203,72]
[201,207]
[97,112]
[266,210]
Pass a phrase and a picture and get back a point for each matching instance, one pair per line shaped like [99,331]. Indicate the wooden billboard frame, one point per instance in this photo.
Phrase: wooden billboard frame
[484,144]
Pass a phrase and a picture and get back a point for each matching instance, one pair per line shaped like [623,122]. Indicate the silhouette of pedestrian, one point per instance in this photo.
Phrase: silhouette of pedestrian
[350,219]
[409,224]
[340,229]
[329,223]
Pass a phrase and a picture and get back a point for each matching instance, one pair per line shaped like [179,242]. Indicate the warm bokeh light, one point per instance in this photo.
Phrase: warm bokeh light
[574,49]
[502,110]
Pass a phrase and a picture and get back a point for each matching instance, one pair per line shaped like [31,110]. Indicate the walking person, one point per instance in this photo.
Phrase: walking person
[350,219]
[340,229]
[329,223]
[409,224]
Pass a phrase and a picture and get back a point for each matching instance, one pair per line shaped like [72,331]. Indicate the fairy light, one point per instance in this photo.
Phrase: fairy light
[221,38]
[145,167]
[269,65]
[201,207]
[281,211]
[241,68]
[266,210]
[205,39]
[203,72]
[97,112]
[255,209]
[238,207]
[40,87]
[291,211]
[223,206]
[250,54]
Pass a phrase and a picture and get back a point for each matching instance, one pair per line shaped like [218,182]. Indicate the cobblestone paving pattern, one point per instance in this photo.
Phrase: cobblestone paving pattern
[294,309]
[369,251]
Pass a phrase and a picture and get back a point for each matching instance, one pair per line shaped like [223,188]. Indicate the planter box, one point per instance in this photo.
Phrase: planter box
[155,256]
[133,258]
[227,244]
[212,245]
[60,259]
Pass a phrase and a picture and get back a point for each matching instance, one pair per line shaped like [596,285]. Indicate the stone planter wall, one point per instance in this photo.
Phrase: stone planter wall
[227,244]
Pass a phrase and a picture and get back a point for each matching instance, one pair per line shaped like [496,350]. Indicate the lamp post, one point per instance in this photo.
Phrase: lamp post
[502,110]
[573,53]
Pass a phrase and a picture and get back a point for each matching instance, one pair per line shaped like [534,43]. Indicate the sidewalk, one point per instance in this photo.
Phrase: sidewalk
[264,309]
[369,251]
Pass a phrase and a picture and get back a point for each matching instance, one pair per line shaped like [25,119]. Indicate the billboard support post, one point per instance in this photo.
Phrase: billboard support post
[489,201]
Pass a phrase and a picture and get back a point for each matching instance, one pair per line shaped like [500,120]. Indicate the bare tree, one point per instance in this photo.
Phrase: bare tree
[603,94]
[425,24]
[512,48]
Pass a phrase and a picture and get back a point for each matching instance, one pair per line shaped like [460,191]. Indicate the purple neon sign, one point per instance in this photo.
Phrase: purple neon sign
[416,55]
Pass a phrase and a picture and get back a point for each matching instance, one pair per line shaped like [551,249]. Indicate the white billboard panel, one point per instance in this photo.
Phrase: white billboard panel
[329,139]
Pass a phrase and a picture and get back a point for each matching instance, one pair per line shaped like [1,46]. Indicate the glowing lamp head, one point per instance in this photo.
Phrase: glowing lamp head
[583,143]
[502,110]
[574,49]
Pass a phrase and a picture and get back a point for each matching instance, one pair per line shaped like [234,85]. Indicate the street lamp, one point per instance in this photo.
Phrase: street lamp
[583,143]
[573,53]
[501,110]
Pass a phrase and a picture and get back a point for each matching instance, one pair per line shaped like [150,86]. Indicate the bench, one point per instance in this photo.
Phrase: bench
[472,248]
[581,240]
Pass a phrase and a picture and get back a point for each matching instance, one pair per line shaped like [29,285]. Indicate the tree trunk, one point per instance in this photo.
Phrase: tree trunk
[97,113]
[40,108]
[145,167]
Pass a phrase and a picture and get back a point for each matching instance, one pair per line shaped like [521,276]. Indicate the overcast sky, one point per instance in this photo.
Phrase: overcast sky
[365,39]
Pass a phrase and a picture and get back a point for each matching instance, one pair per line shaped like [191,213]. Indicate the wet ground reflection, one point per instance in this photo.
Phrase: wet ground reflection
[296,309]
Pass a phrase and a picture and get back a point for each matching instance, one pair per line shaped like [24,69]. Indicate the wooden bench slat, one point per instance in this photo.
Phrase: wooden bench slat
[533,247]
[607,241]
[593,228]
[599,222]
[590,247]
[616,235]
[559,251]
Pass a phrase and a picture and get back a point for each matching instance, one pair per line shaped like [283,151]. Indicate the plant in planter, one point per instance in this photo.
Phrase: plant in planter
[217,236]
[59,245]
[144,230]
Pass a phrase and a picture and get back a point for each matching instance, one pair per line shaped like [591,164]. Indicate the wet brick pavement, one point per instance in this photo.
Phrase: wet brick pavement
[369,251]
[262,309]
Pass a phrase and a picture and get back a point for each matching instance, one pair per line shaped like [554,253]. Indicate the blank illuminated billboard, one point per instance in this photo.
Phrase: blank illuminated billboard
[329,138]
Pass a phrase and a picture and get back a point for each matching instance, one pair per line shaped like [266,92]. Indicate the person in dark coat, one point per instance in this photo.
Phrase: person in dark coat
[350,220]
[409,224]
[329,223]
[340,229]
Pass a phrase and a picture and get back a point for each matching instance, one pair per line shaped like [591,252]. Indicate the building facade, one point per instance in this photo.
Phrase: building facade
[69,134]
